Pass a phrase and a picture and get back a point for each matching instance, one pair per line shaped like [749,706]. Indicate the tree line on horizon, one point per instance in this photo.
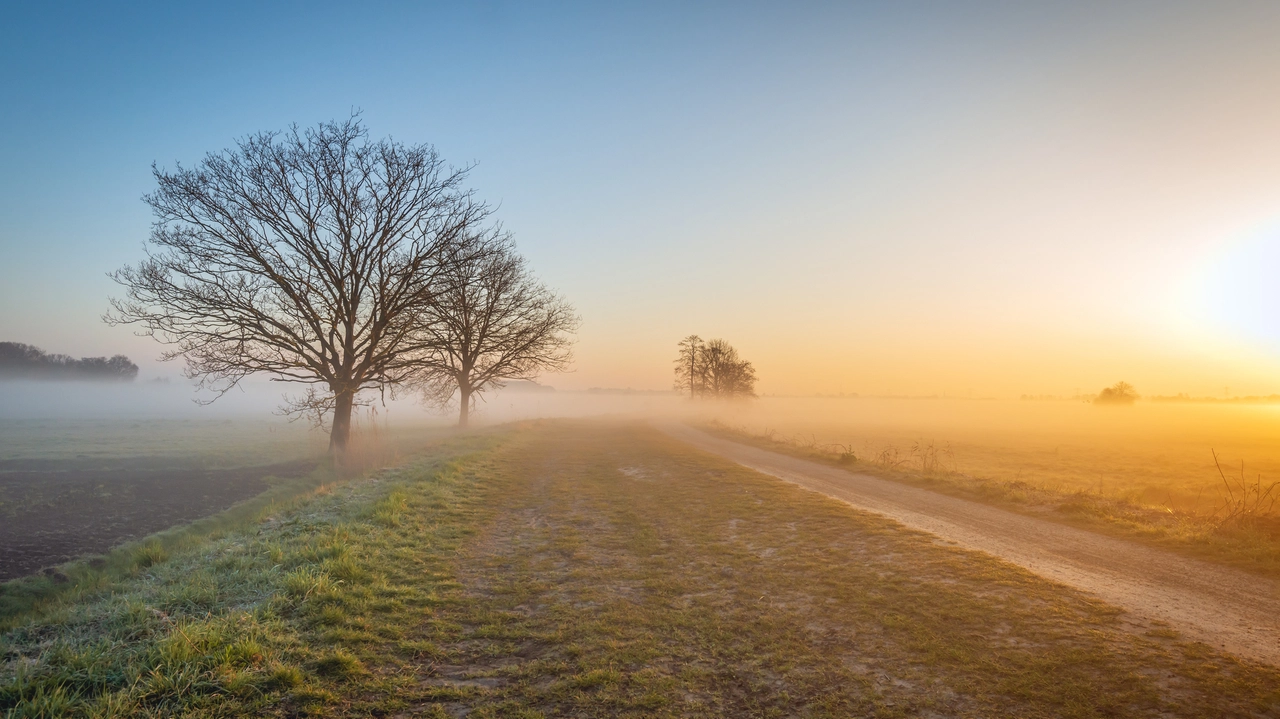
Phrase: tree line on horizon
[23,361]
[712,370]
[360,268]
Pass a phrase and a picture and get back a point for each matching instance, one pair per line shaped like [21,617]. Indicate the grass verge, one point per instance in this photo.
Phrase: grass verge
[1250,542]
[586,569]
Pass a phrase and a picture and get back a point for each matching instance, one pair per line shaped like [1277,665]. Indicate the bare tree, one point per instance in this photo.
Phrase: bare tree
[713,369]
[302,255]
[726,375]
[493,321]
[689,374]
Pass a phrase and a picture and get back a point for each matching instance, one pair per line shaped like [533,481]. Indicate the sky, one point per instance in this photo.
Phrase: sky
[970,199]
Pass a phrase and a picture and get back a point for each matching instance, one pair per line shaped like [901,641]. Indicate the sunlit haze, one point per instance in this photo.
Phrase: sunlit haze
[977,199]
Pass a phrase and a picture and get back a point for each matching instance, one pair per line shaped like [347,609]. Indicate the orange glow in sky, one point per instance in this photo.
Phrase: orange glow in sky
[965,199]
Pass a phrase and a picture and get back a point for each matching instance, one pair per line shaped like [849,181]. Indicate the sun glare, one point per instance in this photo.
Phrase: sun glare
[1239,289]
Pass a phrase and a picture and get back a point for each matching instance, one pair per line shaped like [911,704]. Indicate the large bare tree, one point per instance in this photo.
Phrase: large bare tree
[304,255]
[493,321]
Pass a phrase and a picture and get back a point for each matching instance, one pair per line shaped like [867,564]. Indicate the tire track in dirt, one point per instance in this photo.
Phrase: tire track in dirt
[1222,607]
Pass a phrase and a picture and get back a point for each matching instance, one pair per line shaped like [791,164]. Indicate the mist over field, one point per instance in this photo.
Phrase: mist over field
[1155,453]
[179,400]
[33,399]
[1159,453]
[640,359]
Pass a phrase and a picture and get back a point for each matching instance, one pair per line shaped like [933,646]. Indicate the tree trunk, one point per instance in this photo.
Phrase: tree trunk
[464,389]
[341,432]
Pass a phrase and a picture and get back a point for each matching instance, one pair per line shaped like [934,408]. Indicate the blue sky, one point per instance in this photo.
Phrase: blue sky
[839,189]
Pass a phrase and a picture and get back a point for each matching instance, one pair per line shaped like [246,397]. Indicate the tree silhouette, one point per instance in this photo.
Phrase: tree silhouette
[22,361]
[713,369]
[303,255]
[1118,393]
[726,374]
[688,363]
[493,321]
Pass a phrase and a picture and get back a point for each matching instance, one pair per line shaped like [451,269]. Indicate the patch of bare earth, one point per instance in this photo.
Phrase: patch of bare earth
[52,512]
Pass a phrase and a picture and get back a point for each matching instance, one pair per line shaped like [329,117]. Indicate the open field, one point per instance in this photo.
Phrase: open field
[55,514]
[571,568]
[1155,453]
[1144,472]
[163,442]
[72,488]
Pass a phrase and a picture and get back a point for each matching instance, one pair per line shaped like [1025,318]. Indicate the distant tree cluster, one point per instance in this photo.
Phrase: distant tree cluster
[713,370]
[351,265]
[22,361]
[1118,393]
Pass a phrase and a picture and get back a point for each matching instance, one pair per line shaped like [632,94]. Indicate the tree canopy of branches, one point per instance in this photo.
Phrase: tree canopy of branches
[493,321]
[688,364]
[713,370]
[304,255]
[21,361]
[1118,393]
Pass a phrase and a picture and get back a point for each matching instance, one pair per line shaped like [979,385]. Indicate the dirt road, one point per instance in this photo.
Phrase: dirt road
[1225,608]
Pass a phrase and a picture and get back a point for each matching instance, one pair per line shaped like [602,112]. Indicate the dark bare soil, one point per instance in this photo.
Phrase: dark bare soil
[54,511]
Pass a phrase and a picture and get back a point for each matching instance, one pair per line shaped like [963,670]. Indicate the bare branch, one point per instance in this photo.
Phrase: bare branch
[491,321]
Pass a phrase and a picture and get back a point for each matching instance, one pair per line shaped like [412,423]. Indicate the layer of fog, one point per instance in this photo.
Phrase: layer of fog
[260,399]
[1158,451]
